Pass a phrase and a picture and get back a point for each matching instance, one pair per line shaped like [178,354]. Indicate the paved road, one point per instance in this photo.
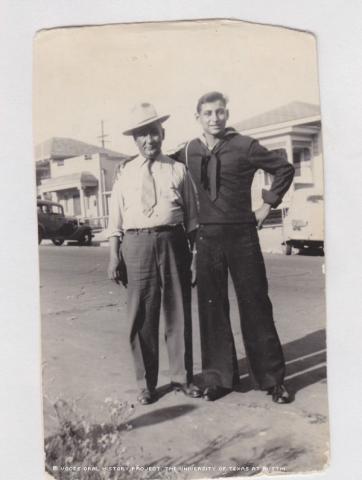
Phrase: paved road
[86,360]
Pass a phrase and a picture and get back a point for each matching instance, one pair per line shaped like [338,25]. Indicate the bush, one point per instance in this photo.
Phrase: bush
[82,449]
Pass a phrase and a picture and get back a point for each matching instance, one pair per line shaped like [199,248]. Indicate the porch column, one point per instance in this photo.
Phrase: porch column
[289,149]
[82,201]
[102,192]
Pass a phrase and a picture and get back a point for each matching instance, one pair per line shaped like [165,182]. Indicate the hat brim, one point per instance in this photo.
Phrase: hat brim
[161,119]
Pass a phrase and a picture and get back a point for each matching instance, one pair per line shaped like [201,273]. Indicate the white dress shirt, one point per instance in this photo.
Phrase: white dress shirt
[175,195]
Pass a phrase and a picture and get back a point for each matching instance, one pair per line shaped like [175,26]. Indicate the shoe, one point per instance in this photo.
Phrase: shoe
[146,396]
[188,389]
[279,394]
[215,392]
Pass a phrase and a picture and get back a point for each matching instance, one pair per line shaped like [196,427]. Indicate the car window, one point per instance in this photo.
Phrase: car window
[56,210]
[43,208]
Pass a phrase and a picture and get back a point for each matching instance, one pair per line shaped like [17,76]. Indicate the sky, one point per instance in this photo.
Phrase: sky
[84,75]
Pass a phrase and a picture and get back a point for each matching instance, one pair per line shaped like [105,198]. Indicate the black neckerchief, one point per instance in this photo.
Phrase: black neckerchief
[210,164]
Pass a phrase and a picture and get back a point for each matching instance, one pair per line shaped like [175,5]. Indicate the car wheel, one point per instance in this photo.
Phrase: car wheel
[40,236]
[86,239]
[287,249]
[58,241]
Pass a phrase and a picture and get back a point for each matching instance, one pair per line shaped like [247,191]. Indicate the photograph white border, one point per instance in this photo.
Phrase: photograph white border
[339,37]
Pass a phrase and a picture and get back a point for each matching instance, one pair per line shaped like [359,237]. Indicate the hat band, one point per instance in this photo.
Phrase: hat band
[148,120]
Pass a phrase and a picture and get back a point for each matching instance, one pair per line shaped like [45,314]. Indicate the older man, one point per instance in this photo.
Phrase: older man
[153,204]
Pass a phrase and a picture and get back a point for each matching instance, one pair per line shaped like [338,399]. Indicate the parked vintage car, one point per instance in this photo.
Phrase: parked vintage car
[54,225]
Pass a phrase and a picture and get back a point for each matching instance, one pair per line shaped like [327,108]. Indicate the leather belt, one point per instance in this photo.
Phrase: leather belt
[160,228]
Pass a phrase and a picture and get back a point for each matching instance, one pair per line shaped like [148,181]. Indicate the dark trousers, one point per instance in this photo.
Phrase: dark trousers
[158,268]
[235,248]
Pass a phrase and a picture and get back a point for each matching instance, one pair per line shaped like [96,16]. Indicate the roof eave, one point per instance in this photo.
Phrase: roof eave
[283,125]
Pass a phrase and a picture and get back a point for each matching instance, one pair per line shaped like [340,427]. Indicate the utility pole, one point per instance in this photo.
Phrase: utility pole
[103,135]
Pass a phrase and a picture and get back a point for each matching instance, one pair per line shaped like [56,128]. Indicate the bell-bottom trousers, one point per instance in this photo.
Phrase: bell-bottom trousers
[235,248]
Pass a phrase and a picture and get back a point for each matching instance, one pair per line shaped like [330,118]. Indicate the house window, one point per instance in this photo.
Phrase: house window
[87,157]
[60,163]
[297,160]
[301,160]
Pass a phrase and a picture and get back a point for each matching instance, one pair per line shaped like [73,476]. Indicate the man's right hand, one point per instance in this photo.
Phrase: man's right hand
[113,269]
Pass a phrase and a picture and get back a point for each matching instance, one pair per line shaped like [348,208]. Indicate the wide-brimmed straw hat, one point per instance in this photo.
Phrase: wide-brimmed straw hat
[143,114]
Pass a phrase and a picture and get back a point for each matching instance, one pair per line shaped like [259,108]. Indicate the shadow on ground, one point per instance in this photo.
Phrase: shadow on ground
[161,415]
[305,358]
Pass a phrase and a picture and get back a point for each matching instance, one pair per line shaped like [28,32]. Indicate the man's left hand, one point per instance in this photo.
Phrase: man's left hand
[261,214]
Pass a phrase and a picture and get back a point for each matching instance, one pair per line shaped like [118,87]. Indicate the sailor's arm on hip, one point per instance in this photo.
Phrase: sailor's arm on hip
[274,162]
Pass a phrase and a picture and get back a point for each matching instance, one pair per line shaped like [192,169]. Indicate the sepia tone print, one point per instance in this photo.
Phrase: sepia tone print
[171,154]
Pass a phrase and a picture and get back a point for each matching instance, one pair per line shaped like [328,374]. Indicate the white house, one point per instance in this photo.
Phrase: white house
[295,128]
[77,175]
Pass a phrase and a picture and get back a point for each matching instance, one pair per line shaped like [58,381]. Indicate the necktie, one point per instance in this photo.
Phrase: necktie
[148,197]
